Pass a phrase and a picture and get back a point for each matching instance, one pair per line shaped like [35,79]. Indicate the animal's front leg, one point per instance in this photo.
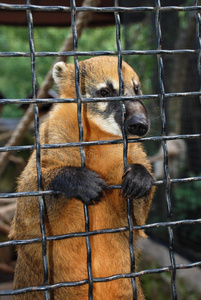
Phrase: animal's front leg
[137,181]
[80,183]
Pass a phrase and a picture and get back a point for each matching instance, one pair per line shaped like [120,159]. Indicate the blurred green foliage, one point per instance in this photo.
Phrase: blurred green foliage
[187,199]
[16,71]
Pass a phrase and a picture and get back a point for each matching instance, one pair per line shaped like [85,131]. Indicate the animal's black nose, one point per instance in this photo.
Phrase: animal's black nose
[137,125]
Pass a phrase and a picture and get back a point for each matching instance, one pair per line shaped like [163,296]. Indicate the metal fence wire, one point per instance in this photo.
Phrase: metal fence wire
[157,8]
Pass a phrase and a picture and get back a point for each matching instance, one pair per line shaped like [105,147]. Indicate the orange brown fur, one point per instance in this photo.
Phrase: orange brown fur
[67,258]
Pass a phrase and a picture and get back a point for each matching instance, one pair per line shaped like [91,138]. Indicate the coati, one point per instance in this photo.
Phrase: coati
[62,171]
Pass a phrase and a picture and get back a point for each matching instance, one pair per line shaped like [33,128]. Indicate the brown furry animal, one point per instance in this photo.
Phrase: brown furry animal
[62,171]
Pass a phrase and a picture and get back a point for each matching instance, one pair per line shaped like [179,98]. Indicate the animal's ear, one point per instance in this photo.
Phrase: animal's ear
[62,72]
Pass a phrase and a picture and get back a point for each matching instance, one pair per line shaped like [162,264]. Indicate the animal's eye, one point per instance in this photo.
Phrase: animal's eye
[104,92]
[136,89]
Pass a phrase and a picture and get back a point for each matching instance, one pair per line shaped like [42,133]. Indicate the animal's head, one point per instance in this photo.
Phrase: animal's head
[99,78]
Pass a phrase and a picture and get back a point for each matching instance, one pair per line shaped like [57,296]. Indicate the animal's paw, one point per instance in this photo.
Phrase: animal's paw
[80,183]
[90,186]
[137,181]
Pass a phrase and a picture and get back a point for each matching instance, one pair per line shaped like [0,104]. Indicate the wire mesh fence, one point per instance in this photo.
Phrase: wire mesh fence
[157,9]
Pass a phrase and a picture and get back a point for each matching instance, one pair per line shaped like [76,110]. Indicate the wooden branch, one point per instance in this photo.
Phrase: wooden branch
[4,228]
[5,135]
[6,268]
[5,201]
[7,210]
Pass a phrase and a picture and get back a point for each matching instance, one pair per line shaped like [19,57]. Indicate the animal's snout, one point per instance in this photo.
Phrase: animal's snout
[137,125]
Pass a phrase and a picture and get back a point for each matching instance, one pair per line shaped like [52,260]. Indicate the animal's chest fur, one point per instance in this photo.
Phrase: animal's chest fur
[107,161]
